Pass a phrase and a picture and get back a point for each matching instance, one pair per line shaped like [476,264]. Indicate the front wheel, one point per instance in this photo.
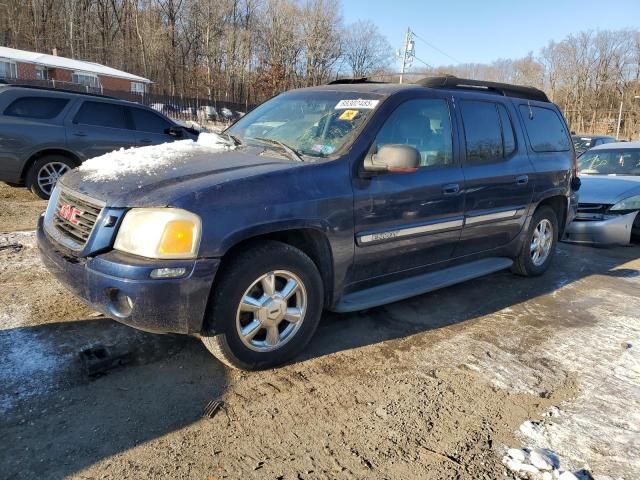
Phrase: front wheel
[265,308]
[45,172]
[539,246]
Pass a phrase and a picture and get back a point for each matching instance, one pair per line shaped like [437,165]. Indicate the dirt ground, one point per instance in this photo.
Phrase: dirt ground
[435,387]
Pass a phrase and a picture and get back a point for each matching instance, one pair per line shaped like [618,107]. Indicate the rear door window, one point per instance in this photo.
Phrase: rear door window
[102,114]
[483,132]
[145,121]
[546,131]
[36,107]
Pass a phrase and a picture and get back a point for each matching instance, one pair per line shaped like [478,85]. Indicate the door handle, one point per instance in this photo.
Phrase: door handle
[80,134]
[145,140]
[450,189]
[522,179]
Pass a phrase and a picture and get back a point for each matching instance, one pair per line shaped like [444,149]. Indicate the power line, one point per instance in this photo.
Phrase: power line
[435,48]
[422,61]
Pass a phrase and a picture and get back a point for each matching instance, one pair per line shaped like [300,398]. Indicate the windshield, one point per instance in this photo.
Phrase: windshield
[315,123]
[582,144]
[610,162]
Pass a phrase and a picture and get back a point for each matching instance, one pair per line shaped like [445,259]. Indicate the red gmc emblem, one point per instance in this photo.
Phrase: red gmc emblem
[69,213]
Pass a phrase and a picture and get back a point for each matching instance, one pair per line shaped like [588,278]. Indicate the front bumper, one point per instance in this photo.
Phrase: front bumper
[612,230]
[119,285]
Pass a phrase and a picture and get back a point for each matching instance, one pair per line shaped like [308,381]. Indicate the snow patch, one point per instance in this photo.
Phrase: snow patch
[18,253]
[600,428]
[29,362]
[149,160]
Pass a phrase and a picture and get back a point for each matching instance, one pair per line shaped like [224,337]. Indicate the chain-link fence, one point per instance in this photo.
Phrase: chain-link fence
[201,110]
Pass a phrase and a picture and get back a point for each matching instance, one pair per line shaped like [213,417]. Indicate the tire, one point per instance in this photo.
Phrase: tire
[47,167]
[242,279]
[526,263]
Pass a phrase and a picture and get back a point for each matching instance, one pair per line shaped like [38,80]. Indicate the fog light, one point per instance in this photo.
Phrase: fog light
[120,304]
[168,272]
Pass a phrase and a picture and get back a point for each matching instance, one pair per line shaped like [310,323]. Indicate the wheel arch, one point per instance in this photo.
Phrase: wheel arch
[48,151]
[559,204]
[312,241]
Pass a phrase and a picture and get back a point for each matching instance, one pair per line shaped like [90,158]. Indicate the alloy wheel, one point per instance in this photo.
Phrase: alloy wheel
[271,311]
[541,242]
[49,174]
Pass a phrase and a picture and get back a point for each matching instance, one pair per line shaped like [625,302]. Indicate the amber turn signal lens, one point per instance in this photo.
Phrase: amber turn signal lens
[177,237]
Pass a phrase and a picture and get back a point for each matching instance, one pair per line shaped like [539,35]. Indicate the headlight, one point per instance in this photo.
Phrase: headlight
[169,233]
[631,203]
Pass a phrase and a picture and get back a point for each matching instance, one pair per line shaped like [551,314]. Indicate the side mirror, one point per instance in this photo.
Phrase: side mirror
[175,131]
[393,159]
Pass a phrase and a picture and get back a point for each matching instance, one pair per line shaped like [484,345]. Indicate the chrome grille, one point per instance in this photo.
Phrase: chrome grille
[84,219]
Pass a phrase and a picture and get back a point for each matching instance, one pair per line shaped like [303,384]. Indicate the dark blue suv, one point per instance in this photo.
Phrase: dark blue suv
[341,197]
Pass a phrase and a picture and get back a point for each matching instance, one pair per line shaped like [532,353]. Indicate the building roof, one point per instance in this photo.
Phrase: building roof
[53,61]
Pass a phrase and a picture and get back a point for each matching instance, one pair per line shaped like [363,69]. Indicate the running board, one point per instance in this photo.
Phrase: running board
[410,287]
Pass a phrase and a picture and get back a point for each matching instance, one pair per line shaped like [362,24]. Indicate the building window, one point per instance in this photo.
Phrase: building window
[41,73]
[8,69]
[137,87]
[86,79]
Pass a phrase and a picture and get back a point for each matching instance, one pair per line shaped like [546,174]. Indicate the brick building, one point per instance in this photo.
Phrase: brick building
[16,65]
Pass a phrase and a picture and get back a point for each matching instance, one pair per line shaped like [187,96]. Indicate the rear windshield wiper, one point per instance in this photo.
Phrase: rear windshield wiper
[290,151]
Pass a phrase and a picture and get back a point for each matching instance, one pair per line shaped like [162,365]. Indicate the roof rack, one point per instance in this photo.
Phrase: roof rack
[347,81]
[506,89]
[53,89]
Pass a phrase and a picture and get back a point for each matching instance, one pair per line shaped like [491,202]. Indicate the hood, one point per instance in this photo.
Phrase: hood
[608,189]
[156,176]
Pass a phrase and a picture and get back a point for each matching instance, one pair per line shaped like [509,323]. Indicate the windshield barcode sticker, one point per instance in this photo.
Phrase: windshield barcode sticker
[359,103]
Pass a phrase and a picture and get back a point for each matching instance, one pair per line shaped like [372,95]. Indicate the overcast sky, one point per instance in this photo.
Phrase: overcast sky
[480,32]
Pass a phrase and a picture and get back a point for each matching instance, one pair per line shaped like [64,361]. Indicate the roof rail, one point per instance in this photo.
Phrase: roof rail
[53,89]
[347,81]
[505,89]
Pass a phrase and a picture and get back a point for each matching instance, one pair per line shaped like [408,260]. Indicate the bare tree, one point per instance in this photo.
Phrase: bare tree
[244,51]
[366,50]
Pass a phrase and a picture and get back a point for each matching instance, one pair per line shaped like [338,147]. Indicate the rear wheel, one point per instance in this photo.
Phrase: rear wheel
[265,308]
[538,248]
[45,172]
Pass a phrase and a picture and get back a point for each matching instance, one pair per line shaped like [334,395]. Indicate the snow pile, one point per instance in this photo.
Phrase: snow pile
[539,464]
[149,160]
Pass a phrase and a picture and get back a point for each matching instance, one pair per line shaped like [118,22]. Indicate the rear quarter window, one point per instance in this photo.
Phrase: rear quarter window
[42,108]
[545,129]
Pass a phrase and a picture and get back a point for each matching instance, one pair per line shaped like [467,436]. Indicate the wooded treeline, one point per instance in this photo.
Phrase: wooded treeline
[231,50]
[588,74]
[245,51]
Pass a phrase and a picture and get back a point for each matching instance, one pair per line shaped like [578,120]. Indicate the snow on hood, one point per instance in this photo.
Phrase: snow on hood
[149,160]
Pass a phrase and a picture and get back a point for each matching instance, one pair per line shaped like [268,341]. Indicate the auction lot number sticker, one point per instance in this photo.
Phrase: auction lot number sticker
[359,103]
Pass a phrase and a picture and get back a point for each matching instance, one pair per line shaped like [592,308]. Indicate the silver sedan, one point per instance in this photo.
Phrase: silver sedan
[609,196]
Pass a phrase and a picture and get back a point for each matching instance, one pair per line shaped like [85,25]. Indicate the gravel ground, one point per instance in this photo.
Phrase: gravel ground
[435,387]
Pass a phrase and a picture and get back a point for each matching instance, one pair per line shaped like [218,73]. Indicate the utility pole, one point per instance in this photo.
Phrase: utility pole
[620,116]
[408,53]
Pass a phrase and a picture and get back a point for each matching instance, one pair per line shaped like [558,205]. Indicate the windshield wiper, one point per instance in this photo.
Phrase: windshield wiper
[290,151]
[236,140]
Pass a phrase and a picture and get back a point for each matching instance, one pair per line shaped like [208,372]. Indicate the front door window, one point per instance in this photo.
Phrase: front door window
[423,124]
